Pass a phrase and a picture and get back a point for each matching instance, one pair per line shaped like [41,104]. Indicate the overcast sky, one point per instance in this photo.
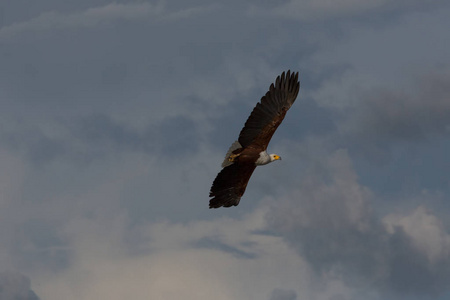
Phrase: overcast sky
[116,116]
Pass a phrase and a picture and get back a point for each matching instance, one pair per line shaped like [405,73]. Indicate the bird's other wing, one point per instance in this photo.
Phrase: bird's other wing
[270,111]
[230,184]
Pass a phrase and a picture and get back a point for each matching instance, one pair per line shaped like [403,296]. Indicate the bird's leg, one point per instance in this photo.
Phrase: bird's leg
[233,157]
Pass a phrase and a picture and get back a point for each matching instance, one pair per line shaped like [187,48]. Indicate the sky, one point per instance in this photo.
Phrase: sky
[116,117]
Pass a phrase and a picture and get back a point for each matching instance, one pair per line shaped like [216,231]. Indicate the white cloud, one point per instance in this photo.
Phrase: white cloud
[174,264]
[426,231]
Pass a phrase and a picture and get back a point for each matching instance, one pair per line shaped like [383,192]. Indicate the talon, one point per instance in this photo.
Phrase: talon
[232,157]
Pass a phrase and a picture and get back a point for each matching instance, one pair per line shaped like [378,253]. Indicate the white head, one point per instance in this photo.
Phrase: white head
[264,158]
[274,157]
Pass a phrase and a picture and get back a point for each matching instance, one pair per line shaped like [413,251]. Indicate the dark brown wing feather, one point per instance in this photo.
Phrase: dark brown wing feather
[270,111]
[230,184]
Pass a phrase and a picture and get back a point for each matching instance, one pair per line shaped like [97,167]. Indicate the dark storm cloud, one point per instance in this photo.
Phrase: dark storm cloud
[416,114]
[411,273]
[330,222]
[15,286]
[408,125]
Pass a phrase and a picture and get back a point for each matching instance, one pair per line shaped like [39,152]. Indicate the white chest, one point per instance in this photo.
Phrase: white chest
[263,159]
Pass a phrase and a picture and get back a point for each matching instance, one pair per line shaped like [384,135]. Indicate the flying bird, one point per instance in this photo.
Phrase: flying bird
[249,151]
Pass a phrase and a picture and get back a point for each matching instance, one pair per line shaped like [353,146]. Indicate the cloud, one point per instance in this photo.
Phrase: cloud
[115,122]
[88,18]
[374,119]
[426,231]
[172,261]
[278,294]
[323,10]
[326,225]
[419,113]
[329,220]
[333,221]
[97,16]
[15,286]
[84,139]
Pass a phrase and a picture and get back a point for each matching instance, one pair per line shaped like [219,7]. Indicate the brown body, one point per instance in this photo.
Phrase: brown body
[231,182]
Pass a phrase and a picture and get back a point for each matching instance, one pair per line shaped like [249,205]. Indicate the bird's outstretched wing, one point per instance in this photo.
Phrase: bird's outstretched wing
[270,111]
[230,184]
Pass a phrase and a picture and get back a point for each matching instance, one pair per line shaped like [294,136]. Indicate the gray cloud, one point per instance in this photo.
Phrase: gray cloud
[97,16]
[15,286]
[382,125]
[323,10]
[116,115]
[211,243]
[329,220]
[97,135]
[417,114]
[279,294]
